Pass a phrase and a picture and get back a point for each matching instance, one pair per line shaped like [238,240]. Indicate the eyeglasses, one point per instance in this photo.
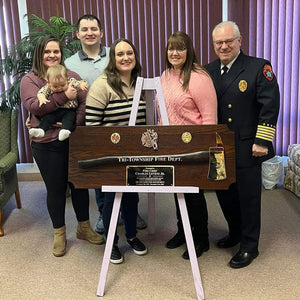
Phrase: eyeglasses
[178,50]
[227,42]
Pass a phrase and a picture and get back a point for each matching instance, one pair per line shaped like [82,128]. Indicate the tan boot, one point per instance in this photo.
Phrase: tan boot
[85,232]
[59,246]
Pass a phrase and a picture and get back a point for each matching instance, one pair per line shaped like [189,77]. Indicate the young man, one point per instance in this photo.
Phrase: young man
[89,62]
[248,102]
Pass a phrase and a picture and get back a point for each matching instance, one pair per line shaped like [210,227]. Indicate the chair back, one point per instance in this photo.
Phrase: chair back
[8,131]
[5,132]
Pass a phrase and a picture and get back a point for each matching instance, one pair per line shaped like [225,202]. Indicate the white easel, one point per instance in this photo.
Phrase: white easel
[150,84]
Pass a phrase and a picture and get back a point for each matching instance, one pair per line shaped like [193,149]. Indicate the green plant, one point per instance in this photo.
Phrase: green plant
[18,62]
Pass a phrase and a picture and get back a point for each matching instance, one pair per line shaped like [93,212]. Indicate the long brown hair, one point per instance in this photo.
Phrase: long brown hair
[113,76]
[38,66]
[180,40]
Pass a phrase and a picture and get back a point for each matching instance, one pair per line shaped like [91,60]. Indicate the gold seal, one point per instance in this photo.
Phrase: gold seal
[186,137]
[115,138]
[243,85]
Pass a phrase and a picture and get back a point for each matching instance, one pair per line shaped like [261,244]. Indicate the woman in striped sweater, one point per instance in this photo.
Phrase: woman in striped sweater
[109,103]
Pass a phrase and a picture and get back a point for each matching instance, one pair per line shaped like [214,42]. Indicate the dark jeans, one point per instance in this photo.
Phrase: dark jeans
[100,196]
[52,160]
[129,205]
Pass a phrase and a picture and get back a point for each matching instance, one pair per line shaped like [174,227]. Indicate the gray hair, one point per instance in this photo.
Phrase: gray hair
[231,23]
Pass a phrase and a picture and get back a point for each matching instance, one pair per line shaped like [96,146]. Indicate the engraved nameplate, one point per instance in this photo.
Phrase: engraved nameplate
[150,175]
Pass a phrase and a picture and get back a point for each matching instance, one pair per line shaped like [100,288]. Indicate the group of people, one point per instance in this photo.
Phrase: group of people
[235,89]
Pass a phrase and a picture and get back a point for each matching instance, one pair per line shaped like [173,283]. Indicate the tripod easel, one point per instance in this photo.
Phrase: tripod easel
[150,84]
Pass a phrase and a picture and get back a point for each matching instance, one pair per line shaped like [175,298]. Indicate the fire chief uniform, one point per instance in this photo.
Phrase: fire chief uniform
[248,102]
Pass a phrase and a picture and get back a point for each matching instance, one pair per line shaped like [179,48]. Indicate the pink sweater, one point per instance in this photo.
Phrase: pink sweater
[197,105]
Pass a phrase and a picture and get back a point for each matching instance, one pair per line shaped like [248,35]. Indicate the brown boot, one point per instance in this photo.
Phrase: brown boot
[59,246]
[85,232]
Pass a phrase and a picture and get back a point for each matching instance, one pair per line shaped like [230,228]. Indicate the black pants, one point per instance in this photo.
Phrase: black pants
[241,206]
[198,216]
[66,116]
[52,160]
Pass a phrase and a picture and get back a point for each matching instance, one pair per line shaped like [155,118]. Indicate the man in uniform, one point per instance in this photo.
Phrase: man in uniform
[248,102]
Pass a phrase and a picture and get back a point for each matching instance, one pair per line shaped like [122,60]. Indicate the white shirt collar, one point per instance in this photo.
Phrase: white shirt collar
[231,63]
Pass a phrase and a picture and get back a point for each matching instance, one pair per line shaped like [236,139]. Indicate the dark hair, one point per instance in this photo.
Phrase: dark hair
[180,40]
[88,17]
[38,67]
[113,76]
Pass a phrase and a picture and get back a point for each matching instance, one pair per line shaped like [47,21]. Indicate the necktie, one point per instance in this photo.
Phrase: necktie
[225,69]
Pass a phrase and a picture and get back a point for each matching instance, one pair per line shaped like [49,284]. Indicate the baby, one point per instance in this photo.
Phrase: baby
[58,81]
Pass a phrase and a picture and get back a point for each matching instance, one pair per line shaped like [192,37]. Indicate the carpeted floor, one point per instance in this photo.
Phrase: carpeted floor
[28,270]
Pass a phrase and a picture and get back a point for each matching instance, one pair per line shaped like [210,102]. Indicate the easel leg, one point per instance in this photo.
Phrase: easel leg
[151,213]
[190,246]
[109,243]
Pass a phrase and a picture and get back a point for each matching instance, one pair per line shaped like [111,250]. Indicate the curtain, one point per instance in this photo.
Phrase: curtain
[271,30]
[148,23]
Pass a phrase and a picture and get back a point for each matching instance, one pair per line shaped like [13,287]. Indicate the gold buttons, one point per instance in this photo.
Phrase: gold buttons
[229,120]
[229,105]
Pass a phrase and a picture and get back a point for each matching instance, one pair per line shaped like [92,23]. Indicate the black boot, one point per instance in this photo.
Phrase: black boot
[177,240]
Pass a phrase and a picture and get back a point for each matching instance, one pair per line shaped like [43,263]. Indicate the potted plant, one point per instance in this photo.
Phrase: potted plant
[18,62]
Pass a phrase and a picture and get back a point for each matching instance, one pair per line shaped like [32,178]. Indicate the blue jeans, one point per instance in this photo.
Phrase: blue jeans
[129,206]
[99,195]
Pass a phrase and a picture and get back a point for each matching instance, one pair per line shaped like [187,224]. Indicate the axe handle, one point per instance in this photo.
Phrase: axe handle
[200,156]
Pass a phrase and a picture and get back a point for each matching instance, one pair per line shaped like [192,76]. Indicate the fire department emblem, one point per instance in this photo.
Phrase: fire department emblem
[149,139]
[115,138]
[268,72]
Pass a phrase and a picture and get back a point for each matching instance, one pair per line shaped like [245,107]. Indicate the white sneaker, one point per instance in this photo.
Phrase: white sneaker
[64,134]
[37,132]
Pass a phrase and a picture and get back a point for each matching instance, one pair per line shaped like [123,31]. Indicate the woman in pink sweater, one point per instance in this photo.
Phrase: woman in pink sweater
[190,99]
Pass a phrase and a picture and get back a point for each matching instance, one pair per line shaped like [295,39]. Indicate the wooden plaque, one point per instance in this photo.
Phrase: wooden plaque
[129,146]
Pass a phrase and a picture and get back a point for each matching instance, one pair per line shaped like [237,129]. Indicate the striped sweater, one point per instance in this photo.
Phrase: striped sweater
[105,108]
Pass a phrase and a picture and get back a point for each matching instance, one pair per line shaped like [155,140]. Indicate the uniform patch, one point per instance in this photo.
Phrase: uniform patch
[243,85]
[268,72]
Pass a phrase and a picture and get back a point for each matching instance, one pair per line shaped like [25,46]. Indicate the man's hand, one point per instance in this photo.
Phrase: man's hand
[259,150]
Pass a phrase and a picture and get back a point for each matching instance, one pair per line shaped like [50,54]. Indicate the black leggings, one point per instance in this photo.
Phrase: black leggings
[52,160]
[198,216]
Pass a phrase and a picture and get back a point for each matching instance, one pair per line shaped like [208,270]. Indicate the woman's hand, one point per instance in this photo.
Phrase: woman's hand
[71,92]
[27,123]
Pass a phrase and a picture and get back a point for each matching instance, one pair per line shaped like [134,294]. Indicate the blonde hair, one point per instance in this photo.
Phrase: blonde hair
[57,72]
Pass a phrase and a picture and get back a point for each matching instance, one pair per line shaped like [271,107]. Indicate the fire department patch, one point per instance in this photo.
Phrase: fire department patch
[268,72]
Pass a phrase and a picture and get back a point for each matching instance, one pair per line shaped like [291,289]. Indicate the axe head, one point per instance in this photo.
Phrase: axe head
[217,170]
